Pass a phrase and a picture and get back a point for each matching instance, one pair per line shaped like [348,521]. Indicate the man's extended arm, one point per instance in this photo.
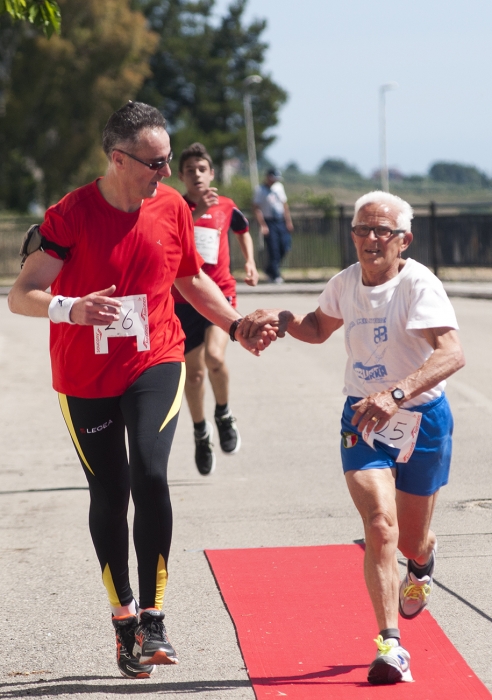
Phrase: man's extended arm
[202,293]
[314,327]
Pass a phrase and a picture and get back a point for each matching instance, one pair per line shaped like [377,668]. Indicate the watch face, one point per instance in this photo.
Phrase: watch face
[398,394]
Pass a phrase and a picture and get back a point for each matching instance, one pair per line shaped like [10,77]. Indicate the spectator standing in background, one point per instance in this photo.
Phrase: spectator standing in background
[273,217]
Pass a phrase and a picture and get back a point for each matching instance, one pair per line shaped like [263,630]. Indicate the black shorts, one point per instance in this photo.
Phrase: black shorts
[194,324]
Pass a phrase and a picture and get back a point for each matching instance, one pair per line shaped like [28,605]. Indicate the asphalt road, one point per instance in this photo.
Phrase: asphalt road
[284,488]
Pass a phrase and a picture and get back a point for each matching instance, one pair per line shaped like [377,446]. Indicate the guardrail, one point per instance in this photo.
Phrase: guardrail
[441,239]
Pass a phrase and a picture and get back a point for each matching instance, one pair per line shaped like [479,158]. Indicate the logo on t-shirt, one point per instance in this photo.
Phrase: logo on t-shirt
[369,373]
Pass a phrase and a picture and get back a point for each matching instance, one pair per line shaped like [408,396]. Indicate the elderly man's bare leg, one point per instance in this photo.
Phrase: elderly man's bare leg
[418,543]
[374,495]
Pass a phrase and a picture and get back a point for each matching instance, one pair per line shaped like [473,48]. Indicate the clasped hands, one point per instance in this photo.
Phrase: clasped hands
[260,328]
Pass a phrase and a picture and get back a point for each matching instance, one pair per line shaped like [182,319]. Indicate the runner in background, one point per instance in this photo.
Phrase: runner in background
[206,343]
[401,340]
[111,252]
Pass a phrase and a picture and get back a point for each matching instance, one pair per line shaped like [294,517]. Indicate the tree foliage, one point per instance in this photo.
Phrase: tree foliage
[198,74]
[62,91]
[337,168]
[459,174]
[40,13]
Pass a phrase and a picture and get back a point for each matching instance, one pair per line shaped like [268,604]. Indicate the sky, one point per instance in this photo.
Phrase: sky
[332,56]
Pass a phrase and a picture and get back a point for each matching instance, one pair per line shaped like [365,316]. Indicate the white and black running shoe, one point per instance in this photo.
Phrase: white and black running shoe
[152,645]
[128,665]
[204,452]
[230,440]
[415,592]
[391,665]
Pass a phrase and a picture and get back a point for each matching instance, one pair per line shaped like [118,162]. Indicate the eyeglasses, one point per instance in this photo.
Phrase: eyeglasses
[379,231]
[158,165]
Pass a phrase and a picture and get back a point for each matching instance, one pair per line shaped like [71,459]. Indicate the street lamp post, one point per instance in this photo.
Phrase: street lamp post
[250,137]
[382,133]
[250,130]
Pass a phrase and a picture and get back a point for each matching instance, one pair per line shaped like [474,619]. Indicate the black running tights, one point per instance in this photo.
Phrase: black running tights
[148,411]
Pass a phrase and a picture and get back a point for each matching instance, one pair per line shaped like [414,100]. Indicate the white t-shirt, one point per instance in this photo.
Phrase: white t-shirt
[381,323]
[271,200]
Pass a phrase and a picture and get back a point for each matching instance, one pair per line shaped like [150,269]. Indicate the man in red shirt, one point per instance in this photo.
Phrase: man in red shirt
[205,344]
[117,361]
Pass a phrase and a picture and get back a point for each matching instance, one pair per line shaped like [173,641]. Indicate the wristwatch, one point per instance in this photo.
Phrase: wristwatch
[398,394]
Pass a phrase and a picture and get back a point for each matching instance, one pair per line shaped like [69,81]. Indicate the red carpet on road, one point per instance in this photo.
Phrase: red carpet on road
[305,627]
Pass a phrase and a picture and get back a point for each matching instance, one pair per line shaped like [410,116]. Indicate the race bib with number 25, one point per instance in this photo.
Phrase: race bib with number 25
[400,432]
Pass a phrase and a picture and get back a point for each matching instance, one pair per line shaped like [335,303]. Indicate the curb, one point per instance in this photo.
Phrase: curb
[470,290]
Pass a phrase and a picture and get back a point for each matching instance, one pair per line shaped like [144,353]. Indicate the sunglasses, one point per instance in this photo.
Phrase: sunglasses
[158,165]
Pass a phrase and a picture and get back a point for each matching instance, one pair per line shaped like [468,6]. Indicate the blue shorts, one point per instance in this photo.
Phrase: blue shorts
[428,467]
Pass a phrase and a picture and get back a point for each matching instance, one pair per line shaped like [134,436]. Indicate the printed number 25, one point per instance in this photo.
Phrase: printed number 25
[397,432]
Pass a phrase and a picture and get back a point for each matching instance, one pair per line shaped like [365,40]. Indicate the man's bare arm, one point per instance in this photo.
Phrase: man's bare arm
[246,244]
[314,327]
[202,293]
[446,359]
[29,297]
[264,230]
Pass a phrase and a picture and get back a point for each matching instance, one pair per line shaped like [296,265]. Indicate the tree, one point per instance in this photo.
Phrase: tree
[335,168]
[41,13]
[198,75]
[292,168]
[63,90]
[458,174]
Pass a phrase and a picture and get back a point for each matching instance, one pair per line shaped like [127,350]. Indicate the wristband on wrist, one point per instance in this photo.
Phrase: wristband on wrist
[59,309]
[233,329]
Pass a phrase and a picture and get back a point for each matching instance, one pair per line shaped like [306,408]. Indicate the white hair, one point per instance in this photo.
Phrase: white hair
[405,211]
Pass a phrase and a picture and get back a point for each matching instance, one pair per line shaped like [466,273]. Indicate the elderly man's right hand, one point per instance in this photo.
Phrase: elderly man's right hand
[96,309]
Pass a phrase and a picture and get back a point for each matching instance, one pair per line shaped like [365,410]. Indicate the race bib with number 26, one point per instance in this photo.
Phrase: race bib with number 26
[133,321]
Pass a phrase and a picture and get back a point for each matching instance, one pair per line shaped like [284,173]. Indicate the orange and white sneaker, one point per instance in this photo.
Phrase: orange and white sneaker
[152,645]
[128,665]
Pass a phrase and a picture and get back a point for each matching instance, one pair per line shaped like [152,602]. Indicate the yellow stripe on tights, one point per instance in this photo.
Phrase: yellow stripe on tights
[68,420]
[160,583]
[177,399]
[109,586]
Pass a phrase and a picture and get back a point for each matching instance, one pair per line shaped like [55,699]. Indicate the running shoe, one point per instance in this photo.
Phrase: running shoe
[391,665]
[230,440]
[204,454]
[128,665]
[415,592]
[152,645]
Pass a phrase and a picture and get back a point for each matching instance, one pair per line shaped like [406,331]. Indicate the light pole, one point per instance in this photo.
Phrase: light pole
[250,130]
[250,139]
[382,133]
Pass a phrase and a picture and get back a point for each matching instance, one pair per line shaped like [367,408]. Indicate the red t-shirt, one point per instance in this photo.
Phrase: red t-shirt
[223,216]
[142,253]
